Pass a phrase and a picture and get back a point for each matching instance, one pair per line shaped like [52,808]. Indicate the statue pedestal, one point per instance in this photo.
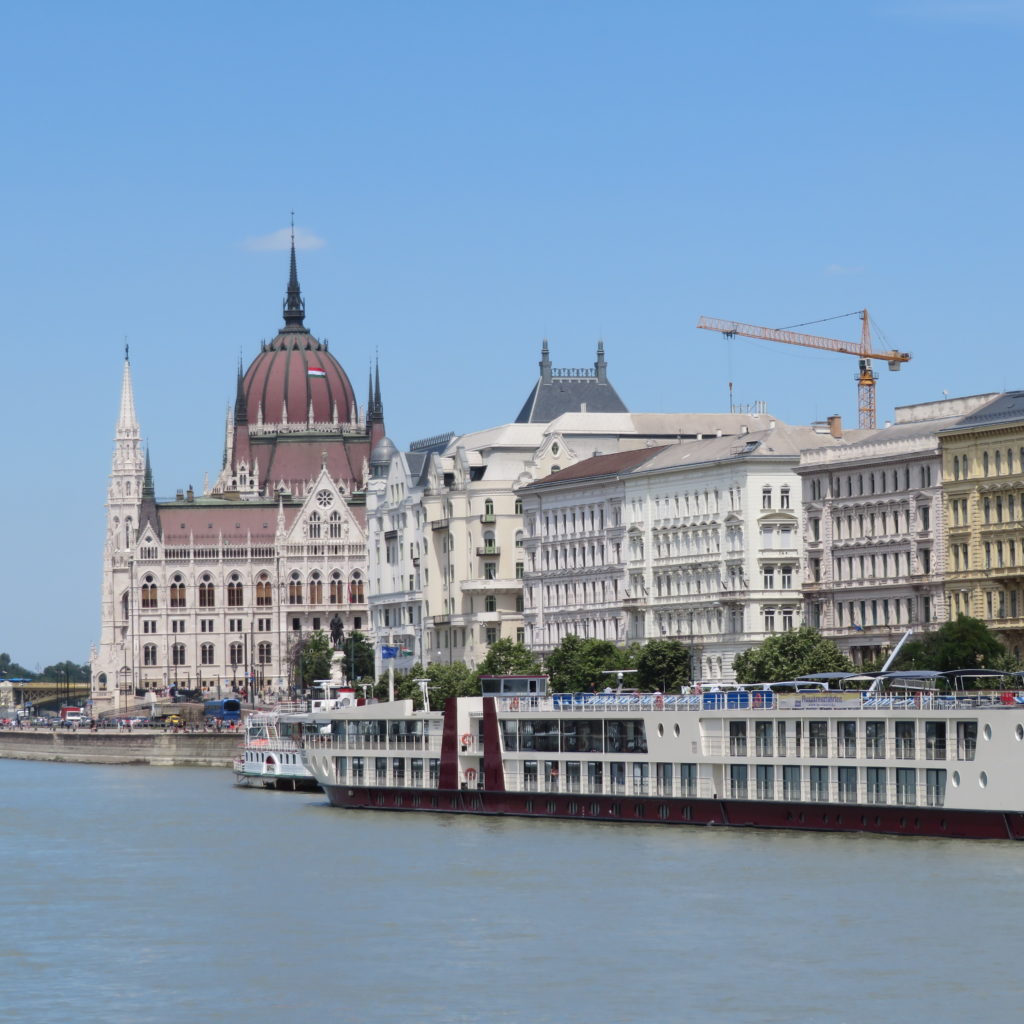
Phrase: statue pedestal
[338,668]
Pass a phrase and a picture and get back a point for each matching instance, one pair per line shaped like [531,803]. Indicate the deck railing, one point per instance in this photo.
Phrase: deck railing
[759,700]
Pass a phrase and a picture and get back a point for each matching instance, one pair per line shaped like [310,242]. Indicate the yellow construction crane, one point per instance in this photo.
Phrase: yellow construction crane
[865,378]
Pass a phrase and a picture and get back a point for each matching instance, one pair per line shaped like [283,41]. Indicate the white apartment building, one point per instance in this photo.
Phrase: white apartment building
[698,541]
[874,530]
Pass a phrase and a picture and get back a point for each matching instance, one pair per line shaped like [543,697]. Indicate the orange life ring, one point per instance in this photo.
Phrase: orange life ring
[467,738]
[513,704]
[470,774]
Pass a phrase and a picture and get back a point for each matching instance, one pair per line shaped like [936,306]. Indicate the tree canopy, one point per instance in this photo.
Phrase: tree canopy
[507,658]
[578,664]
[314,658]
[662,665]
[787,655]
[962,643]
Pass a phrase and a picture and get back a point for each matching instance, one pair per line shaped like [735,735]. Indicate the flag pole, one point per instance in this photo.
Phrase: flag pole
[391,670]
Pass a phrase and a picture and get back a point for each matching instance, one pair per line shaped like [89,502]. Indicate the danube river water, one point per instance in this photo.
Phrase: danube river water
[167,895]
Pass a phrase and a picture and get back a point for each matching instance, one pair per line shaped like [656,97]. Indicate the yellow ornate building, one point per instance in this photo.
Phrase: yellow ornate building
[983,494]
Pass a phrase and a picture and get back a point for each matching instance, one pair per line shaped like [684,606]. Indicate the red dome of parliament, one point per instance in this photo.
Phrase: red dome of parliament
[294,371]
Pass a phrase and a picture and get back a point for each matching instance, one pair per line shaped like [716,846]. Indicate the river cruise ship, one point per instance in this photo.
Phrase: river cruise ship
[898,757]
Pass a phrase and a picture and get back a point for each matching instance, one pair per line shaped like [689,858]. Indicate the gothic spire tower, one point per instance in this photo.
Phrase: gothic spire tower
[125,493]
[127,471]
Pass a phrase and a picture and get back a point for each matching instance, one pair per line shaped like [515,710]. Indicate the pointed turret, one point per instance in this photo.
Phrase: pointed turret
[601,367]
[241,406]
[375,408]
[148,514]
[148,491]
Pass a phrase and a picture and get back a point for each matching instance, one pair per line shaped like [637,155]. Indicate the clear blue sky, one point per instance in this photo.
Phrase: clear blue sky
[471,178]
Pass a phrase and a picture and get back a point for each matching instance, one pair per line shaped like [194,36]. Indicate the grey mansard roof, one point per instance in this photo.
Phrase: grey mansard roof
[560,391]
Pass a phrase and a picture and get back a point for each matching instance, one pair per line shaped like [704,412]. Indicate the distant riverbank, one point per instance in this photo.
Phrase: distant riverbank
[141,746]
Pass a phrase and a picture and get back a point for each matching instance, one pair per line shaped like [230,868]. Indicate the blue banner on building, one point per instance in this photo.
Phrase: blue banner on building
[388,652]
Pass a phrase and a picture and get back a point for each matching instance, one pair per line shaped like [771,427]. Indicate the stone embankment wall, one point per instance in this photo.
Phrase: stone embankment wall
[204,750]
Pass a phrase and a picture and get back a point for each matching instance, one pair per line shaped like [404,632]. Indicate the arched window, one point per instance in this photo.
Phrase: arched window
[149,593]
[149,654]
[984,463]
[316,589]
[295,589]
[124,605]
[956,467]
[235,591]
[314,525]
[177,654]
[334,525]
[206,654]
[206,592]
[177,591]
[519,506]
[489,508]
[337,589]
[490,548]
[356,593]
[263,653]
[264,592]
[235,653]
[519,538]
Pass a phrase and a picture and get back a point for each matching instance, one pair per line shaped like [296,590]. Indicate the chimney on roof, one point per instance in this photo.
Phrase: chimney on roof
[835,425]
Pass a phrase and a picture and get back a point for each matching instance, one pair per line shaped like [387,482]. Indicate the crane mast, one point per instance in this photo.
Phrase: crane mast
[865,376]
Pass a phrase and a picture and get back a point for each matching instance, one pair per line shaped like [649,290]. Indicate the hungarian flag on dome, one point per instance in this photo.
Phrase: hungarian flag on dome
[316,371]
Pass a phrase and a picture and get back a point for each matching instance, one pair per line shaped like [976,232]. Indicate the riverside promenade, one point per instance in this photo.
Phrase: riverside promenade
[141,746]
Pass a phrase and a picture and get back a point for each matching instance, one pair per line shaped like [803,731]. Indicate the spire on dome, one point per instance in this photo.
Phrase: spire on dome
[294,307]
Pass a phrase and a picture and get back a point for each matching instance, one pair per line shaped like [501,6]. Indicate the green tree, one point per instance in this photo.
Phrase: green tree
[577,664]
[787,655]
[12,670]
[507,658]
[963,643]
[662,665]
[315,658]
[67,670]
[443,681]
[359,660]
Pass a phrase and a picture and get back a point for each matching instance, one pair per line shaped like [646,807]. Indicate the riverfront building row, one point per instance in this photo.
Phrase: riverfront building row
[577,516]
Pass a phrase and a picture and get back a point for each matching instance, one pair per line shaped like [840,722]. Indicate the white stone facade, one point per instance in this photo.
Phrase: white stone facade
[211,591]
[700,543]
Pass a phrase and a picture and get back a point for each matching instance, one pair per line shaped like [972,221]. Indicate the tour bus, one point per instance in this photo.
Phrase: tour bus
[227,710]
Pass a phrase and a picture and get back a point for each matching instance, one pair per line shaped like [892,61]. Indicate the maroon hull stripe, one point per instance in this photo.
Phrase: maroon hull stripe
[653,810]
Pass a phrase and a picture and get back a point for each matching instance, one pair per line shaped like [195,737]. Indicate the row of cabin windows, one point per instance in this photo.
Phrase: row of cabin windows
[881,785]
[811,739]
[336,592]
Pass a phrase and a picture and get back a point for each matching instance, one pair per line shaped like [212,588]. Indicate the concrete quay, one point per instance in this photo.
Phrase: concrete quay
[141,746]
